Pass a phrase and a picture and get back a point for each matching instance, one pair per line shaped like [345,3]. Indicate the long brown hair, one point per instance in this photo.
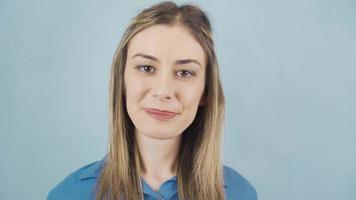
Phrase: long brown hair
[200,171]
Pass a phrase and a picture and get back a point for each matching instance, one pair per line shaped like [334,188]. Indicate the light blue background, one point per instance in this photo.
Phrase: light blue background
[288,71]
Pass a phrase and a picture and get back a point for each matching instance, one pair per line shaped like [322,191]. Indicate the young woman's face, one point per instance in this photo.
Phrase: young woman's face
[165,70]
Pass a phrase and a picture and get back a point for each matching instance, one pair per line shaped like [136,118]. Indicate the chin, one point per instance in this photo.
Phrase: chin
[160,136]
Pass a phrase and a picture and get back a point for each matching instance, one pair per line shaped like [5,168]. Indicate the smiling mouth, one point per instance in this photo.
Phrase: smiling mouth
[160,114]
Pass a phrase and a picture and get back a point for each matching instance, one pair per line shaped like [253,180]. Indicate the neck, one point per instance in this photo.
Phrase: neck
[159,156]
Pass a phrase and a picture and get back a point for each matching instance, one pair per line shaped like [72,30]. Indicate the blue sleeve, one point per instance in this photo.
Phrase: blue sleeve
[62,190]
[78,185]
[73,188]
[239,188]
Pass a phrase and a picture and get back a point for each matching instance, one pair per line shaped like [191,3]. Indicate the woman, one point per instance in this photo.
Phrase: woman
[166,116]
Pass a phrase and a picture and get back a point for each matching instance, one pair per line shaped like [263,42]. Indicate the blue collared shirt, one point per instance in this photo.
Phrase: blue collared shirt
[80,185]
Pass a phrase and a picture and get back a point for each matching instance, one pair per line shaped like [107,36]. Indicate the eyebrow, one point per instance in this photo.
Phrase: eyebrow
[178,62]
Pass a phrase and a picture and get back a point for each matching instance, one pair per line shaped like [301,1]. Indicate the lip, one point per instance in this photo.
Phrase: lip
[158,114]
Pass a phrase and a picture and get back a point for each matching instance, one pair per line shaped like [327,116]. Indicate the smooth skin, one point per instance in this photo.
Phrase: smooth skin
[165,69]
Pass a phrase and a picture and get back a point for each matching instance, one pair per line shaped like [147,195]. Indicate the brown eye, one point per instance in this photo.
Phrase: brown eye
[185,74]
[145,68]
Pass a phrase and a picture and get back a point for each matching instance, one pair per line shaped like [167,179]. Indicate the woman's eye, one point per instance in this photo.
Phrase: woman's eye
[145,68]
[185,74]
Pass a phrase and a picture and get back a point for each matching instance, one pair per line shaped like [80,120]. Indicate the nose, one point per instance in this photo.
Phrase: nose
[161,95]
[163,88]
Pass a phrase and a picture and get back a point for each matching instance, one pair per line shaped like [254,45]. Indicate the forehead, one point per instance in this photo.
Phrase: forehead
[167,42]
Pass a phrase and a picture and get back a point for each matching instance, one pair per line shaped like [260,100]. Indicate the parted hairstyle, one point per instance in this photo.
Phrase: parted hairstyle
[199,166]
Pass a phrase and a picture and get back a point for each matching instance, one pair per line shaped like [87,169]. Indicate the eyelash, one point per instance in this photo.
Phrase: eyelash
[142,69]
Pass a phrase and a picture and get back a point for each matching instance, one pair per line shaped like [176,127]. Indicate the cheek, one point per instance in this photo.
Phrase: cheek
[135,91]
[191,96]
[190,101]
[135,88]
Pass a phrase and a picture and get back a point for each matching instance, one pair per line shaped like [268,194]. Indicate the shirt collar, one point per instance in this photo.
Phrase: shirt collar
[93,170]
[166,189]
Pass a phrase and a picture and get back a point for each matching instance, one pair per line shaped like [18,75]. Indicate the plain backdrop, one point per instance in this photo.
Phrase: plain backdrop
[288,70]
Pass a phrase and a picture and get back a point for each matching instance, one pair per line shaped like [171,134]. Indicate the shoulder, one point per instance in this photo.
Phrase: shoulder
[79,184]
[237,187]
